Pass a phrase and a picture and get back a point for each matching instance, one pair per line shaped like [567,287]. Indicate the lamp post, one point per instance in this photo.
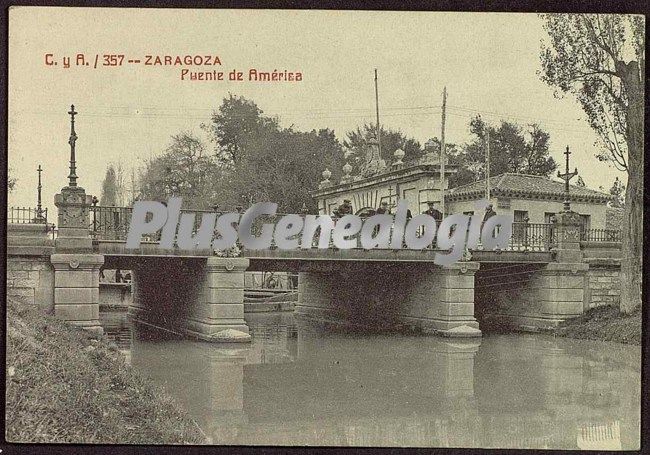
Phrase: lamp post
[73,139]
[95,201]
[39,207]
[566,177]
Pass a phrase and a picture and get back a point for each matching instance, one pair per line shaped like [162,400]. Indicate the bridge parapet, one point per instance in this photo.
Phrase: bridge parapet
[110,223]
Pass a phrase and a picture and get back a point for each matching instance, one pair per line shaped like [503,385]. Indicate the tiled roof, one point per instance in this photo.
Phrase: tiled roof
[525,186]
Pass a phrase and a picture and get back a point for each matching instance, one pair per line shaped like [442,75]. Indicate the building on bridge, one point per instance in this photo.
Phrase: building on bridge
[531,197]
[417,183]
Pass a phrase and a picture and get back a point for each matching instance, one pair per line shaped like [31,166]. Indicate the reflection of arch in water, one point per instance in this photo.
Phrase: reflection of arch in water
[366,211]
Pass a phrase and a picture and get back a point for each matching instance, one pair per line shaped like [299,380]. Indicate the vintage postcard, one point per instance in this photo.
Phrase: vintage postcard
[241,227]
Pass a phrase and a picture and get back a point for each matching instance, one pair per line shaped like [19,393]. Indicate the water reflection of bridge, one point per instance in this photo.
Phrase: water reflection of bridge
[302,385]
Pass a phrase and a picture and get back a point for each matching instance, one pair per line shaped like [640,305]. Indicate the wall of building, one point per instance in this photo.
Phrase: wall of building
[537,208]
[416,184]
[416,192]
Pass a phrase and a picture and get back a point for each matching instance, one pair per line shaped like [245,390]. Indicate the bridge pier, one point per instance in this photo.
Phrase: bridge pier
[423,296]
[541,297]
[219,315]
[199,297]
[76,289]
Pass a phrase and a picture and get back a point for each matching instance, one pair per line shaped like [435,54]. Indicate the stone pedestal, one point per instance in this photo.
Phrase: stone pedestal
[76,289]
[73,221]
[219,316]
[568,238]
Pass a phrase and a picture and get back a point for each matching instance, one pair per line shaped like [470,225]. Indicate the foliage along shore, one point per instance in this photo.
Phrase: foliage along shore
[604,323]
[63,386]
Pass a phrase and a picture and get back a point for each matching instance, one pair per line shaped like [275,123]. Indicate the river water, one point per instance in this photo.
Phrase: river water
[300,384]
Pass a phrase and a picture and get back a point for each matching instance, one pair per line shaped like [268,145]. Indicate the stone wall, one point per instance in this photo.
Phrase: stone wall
[603,283]
[30,279]
[30,276]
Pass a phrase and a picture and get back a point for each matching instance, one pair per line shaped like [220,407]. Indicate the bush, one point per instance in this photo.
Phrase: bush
[63,386]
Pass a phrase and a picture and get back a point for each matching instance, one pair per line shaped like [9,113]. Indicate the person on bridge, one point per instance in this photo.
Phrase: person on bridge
[433,212]
[383,209]
[344,209]
[489,213]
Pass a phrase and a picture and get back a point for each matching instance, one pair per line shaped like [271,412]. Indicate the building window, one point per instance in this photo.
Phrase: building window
[548,216]
[585,222]
[521,216]
[519,230]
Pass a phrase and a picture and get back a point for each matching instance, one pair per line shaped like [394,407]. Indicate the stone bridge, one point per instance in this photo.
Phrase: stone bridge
[556,272]
[202,294]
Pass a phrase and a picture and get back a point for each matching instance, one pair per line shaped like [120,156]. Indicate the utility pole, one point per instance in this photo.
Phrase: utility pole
[487,165]
[377,107]
[442,152]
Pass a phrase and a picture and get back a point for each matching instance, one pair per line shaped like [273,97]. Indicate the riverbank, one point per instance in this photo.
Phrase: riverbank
[604,323]
[62,386]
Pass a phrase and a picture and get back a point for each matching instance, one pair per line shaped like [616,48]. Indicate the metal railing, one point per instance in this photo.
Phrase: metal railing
[532,236]
[600,235]
[112,223]
[25,215]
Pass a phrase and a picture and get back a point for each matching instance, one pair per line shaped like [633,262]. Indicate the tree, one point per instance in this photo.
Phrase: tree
[184,170]
[260,161]
[512,149]
[599,59]
[237,120]
[11,181]
[109,188]
[618,191]
[281,165]
[391,140]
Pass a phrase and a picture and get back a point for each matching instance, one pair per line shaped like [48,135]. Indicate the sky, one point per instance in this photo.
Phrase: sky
[489,63]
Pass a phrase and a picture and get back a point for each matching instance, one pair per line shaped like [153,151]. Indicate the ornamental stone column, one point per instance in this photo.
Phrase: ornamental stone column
[76,267]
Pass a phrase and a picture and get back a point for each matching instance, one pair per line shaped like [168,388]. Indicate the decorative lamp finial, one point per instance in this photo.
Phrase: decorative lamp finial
[347,168]
[326,179]
[73,139]
[399,154]
[566,177]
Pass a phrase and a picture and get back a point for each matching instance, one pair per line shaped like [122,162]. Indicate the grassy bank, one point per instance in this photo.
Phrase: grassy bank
[604,323]
[63,386]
